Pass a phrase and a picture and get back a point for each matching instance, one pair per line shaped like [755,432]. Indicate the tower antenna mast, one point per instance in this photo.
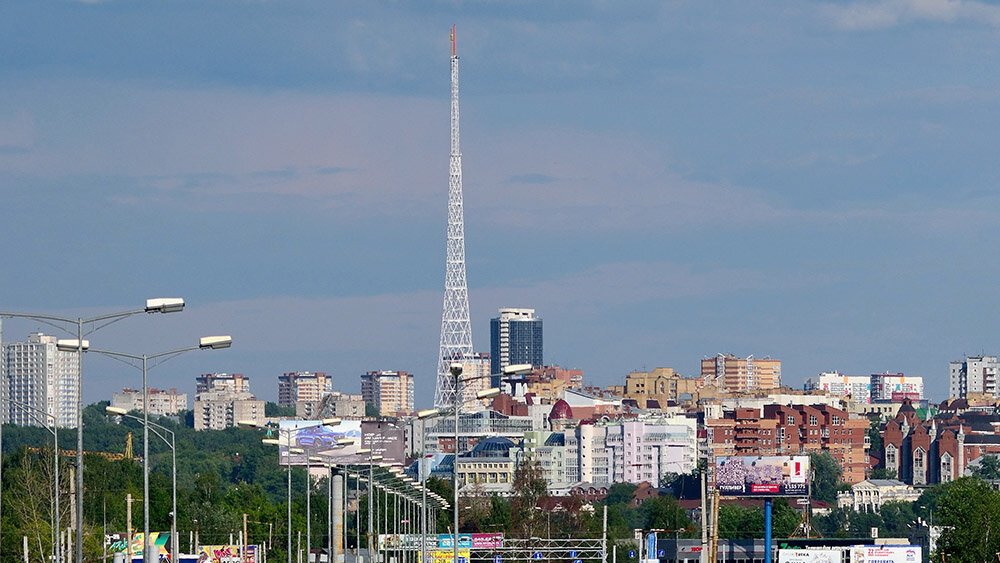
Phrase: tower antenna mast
[456,328]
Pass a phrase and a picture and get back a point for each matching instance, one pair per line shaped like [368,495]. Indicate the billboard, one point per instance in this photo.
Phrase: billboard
[227,554]
[812,555]
[440,541]
[448,555]
[383,438]
[157,540]
[762,476]
[315,440]
[886,554]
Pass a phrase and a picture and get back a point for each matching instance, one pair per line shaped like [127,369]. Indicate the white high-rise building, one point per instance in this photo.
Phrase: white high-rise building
[896,387]
[974,374]
[39,375]
[857,387]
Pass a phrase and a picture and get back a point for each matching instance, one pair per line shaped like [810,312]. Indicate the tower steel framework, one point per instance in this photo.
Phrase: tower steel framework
[456,328]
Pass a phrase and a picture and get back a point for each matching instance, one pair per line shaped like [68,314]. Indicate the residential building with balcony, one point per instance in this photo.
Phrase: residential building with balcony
[389,392]
[161,402]
[306,386]
[732,374]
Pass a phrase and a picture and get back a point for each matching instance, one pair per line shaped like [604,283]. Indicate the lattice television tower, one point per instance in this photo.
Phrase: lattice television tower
[456,328]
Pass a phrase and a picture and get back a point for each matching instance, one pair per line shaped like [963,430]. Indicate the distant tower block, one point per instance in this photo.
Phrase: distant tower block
[456,328]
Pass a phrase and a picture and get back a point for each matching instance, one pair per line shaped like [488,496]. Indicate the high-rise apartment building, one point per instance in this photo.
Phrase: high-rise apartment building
[390,392]
[857,387]
[233,382]
[515,338]
[973,375]
[895,387]
[729,373]
[223,400]
[309,386]
[161,403]
[333,405]
[39,375]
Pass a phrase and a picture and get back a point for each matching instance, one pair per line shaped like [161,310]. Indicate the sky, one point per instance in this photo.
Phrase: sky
[662,181]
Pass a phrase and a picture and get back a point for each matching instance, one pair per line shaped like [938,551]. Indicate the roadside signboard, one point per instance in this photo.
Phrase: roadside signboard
[886,554]
[811,555]
[439,541]
[762,476]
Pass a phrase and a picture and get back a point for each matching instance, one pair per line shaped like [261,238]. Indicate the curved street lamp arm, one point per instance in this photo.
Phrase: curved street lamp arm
[156,428]
[34,412]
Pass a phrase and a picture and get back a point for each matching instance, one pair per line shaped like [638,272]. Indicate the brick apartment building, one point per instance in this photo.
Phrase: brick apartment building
[793,430]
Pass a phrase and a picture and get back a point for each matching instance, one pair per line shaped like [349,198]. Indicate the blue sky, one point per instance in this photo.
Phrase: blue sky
[814,181]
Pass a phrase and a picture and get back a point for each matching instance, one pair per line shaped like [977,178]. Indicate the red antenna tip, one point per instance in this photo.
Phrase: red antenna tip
[453,49]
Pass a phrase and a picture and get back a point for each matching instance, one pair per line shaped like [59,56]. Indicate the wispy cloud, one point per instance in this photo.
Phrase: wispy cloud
[880,14]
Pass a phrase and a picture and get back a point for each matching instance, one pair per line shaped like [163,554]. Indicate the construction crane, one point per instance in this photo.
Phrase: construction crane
[112,456]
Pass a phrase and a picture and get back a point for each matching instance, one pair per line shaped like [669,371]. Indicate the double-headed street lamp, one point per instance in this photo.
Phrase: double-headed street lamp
[205,343]
[171,443]
[456,373]
[156,305]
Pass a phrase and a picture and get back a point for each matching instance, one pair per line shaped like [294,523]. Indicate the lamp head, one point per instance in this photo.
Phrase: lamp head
[427,413]
[165,305]
[517,369]
[115,410]
[456,369]
[215,342]
[488,393]
[71,345]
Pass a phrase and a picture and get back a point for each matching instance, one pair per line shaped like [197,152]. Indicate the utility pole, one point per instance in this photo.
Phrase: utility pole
[128,525]
[246,538]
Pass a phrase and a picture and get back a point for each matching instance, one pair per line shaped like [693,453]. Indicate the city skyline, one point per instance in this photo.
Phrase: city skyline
[665,182]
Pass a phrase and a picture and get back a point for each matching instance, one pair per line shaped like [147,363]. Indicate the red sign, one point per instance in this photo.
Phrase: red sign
[768,489]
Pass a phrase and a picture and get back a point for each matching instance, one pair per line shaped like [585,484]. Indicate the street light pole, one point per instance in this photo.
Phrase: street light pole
[205,343]
[157,305]
[172,444]
[456,372]
[54,429]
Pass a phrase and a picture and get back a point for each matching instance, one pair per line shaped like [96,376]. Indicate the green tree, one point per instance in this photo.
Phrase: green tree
[860,524]
[275,410]
[882,473]
[969,509]
[528,490]
[833,524]
[875,436]
[620,493]
[897,518]
[825,476]
[988,467]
